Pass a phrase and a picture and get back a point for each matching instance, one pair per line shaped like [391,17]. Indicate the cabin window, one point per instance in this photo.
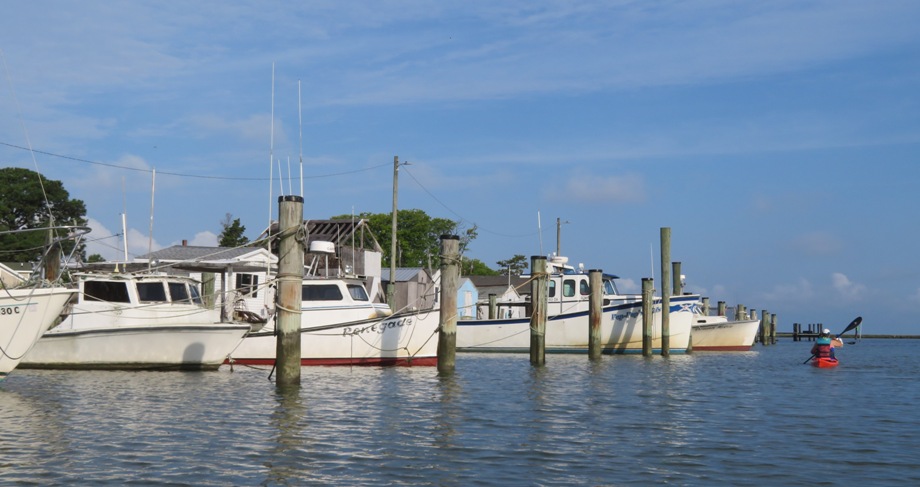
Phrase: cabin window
[248,283]
[552,289]
[321,292]
[196,296]
[358,293]
[151,292]
[584,288]
[568,288]
[179,293]
[113,292]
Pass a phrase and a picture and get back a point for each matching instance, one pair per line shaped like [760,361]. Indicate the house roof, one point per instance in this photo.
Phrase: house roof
[403,274]
[487,284]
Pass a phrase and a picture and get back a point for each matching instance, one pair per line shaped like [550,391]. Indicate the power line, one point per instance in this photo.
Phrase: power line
[462,219]
[181,175]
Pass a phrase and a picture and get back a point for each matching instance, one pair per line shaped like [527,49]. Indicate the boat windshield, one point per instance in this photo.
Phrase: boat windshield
[151,292]
[610,287]
[179,293]
[111,291]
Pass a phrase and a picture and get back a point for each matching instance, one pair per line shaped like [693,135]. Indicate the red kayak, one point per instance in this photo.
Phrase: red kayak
[823,362]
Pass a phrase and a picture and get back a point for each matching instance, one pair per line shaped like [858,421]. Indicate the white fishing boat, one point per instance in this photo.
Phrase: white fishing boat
[717,333]
[137,321]
[568,319]
[25,314]
[341,326]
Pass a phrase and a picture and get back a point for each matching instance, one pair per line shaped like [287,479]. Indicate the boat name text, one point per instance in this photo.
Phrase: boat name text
[378,328]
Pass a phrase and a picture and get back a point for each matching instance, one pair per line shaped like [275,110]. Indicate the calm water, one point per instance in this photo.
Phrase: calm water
[755,418]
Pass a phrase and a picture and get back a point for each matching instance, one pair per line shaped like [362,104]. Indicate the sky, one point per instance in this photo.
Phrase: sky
[778,141]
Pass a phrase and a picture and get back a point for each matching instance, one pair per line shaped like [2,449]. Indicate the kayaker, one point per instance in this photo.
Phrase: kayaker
[824,345]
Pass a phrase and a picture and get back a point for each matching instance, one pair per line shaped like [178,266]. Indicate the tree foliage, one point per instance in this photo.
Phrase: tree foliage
[418,236]
[516,265]
[232,232]
[475,267]
[29,200]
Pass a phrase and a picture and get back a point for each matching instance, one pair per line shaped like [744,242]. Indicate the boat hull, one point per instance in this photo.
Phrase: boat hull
[186,347]
[400,339]
[724,335]
[621,330]
[824,363]
[25,314]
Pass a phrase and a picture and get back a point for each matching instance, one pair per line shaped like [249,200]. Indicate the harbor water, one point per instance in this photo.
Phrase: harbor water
[734,418]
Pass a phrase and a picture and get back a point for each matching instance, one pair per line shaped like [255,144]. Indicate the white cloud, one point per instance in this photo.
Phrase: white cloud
[591,188]
[202,239]
[846,287]
[628,286]
[817,243]
[799,291]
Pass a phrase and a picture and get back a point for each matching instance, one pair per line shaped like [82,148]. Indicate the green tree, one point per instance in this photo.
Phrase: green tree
[29,200]
[475,267]
[516,265]
[418,236]
[232,233]
[95,258]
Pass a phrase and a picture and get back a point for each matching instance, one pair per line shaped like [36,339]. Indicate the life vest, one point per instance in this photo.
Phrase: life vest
[822,348]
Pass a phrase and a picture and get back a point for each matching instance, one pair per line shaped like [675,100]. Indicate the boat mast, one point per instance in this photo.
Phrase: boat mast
[300,119]
[153,186]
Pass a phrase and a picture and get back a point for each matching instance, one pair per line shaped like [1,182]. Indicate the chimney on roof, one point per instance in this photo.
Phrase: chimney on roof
[185,243]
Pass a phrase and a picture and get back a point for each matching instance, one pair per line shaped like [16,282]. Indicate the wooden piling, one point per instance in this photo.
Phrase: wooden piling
[290,281]
[773,328]
[676,285]
[647,297]
[764,328]
[450,284]
[493,306]
[666,291]
[52,259]
[595,313]
[720,310]
[705,306]
[538,292]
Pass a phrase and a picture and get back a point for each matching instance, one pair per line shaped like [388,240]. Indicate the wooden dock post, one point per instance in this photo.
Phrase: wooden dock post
[290,281]
[450,284]
[773,328]
[665,291]
[720,310]
[493,306]
[676,285]
[538,292]
[705,306]
[647,297]
[595,313]
[764,328]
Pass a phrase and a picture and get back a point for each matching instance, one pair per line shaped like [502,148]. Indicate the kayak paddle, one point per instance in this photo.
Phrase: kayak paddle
[853,324]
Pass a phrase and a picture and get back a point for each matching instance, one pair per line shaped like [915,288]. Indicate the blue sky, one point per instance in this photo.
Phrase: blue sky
[778,140]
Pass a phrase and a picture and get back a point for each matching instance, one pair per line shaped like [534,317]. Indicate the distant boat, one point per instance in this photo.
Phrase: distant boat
[137,321]
[717,333]
[341,326]
[24,315]
[568,317]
